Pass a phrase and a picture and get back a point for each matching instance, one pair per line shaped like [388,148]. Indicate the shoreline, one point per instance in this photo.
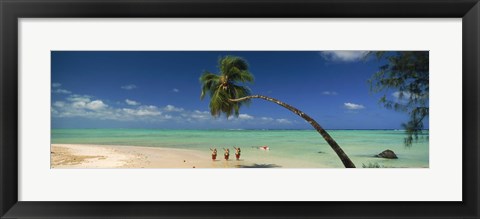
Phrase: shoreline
[119,156]
[94,156]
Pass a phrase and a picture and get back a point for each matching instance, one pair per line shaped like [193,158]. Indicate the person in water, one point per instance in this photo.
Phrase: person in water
[265,148]
[227,153]
[214,153]
[237,153]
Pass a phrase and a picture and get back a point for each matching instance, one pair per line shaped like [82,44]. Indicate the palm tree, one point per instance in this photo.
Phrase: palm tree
[227,95]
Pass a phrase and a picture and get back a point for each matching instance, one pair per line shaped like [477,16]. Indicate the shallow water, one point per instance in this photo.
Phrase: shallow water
[288,148]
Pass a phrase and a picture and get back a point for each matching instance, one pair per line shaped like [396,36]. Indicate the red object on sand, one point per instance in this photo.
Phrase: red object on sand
[226,157]
[214,157]
[237,156]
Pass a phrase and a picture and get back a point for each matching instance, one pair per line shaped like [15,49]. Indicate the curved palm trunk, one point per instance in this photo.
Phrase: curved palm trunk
[341,154]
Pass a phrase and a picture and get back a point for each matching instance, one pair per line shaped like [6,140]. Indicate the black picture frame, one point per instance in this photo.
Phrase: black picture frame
[12,10]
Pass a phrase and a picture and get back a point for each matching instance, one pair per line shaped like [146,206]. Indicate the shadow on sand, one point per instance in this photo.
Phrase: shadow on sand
[259,166]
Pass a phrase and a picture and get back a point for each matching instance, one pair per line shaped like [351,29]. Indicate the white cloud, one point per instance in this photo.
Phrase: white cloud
[329,93]
[143,111]
[270,120]
[245,116]
[176,90]
[241,117]
[78,98]
[59,104]
[79,104]
[85,106]
[343,56]
[266,118]
[96,105]
[61,91]
[201,115]
[283,121]
[132,102]
[129,87]
[353,106]
[171,108]
[56,84]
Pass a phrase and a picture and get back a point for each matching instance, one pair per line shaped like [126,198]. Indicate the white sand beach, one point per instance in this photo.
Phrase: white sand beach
[113,156]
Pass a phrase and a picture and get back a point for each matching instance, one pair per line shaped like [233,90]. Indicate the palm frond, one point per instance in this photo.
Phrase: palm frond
[241,76]
[241,91]
[209,82]
[227,85]
[232,65]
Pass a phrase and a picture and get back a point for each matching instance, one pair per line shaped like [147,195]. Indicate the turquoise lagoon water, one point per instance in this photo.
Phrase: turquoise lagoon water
[288,148]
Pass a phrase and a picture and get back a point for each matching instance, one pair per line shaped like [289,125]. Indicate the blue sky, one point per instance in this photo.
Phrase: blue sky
[161,89]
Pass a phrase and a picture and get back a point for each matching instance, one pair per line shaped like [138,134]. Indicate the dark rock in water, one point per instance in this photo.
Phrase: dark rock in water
[389,154]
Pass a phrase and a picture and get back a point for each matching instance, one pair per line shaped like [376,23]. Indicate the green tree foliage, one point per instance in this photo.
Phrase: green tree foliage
[406,74]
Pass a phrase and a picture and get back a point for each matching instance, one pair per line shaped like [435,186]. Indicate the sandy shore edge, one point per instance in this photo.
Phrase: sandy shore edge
[119,156]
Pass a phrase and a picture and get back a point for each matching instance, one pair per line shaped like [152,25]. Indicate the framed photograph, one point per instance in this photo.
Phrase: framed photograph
[179,130]
[234,109]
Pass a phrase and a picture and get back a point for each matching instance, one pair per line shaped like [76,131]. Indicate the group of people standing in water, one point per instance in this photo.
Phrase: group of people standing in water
[226,155]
